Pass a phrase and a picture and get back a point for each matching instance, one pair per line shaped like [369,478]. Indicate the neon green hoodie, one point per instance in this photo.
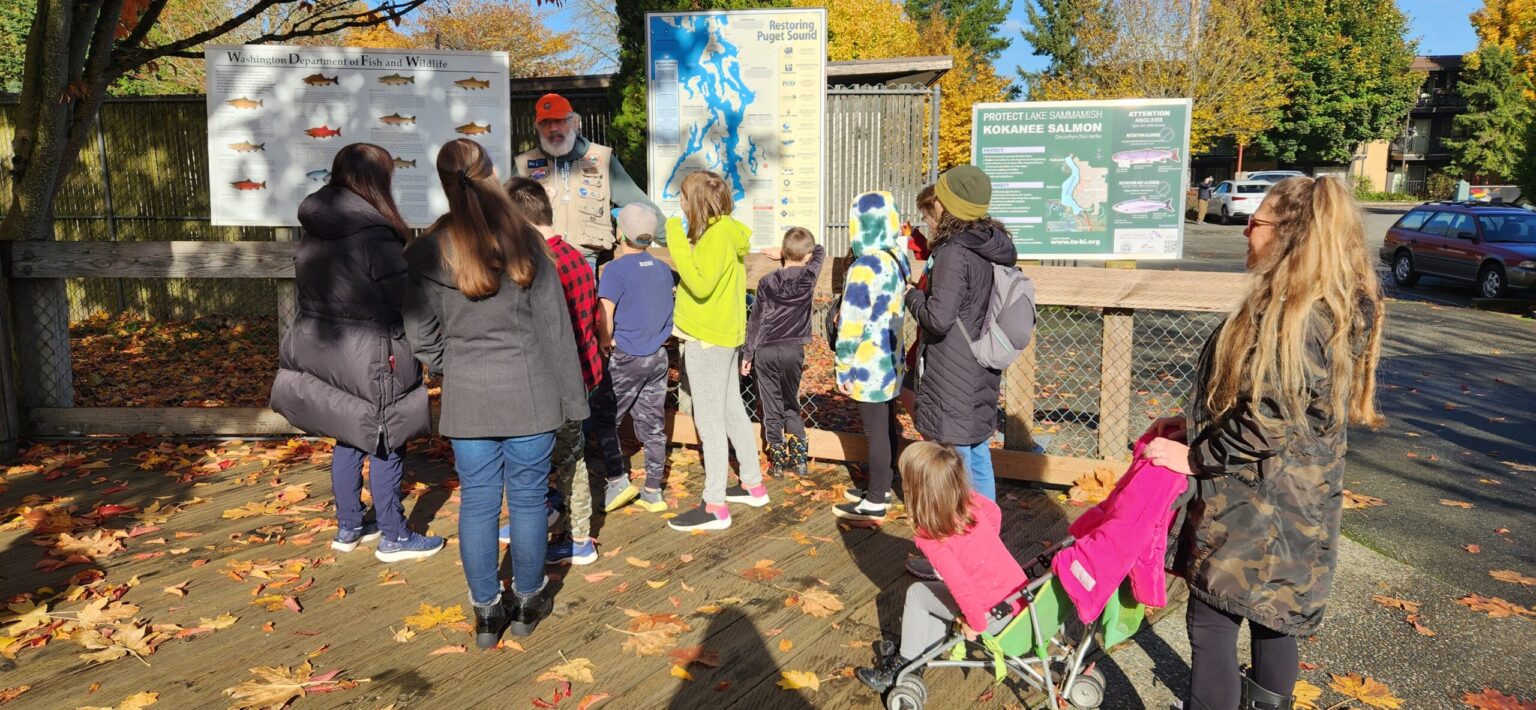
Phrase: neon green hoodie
[712,303]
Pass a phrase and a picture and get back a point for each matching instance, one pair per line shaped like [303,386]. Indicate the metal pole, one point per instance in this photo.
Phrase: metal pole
[933,135]
[106,185]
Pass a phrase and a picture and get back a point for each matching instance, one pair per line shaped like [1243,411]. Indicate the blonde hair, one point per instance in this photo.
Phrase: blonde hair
[1316,279]
[938,489]
[705,198]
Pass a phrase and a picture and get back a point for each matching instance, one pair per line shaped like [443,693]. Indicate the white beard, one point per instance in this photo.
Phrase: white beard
[556,150]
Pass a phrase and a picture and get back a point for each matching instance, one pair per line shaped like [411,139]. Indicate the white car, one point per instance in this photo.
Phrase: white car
[1237,199]
[1274,175]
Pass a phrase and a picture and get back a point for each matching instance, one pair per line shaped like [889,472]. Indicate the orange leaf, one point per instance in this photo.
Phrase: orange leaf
[598,576]
[1513,577]
[1455,503]
[762,571]
[1357,501]
[785,645]
[455,648]
[1491,699]
[1367,690]
[1392,603]
[1494,607]
[590,701]
[695,654]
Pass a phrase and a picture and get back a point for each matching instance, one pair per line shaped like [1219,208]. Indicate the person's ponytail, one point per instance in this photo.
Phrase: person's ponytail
[487,237]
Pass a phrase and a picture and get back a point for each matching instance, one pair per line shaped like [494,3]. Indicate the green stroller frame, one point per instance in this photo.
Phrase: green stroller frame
[1044,645]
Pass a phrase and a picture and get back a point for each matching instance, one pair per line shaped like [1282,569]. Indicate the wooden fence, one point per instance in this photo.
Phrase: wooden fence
[1114,299]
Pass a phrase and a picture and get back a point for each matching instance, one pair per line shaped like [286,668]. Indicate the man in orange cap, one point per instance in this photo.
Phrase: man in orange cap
[584,180]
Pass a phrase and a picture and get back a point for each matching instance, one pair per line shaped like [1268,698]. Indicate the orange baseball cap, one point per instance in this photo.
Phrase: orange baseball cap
[552,107]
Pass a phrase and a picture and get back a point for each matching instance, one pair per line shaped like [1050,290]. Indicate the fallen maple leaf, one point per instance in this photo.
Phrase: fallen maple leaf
[429,616]
[179,590]
[1093,488]
[598,576]
[1513,577]
[452,648]
[403,635]
[795,680]
[9,694]
[1491,699]
[1359,501]
[1474,549]
[681,672]
[762,571]
[1304,696]
[695,654]
[137,701]
[1367,690]
[785,645]
[1455,503]
[590,701]
[1494,607]
[637,562]
[576,670]
[1413,620]
[816,602]
[1393,603]
[280,685]
[222,621]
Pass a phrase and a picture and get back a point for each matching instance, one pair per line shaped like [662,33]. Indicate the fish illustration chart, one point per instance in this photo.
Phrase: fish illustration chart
[277,116]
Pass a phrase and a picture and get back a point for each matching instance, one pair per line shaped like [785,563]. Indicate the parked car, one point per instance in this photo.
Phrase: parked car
[1491,246]
[1237,199]
[1273,176]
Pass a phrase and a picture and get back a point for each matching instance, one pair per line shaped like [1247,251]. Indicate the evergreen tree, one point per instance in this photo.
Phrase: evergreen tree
[1055,29]
[975,22]
[1493,126]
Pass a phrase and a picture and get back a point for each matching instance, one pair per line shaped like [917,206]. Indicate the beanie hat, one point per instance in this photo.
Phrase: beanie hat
[965,192]
[638,224]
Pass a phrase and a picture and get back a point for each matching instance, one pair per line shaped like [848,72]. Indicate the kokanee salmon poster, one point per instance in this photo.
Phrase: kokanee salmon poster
[1087,179]
[277,115]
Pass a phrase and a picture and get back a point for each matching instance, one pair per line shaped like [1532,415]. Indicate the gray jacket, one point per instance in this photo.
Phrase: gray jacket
[508,362]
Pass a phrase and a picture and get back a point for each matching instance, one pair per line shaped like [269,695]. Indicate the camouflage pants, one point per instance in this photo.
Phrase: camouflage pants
[569,462]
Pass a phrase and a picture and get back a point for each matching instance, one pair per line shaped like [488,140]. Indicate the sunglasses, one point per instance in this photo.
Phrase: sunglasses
[1256,222]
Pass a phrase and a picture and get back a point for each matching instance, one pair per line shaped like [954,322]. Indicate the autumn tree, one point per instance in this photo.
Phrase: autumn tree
[971,81]
[866,29]
[1497,113]
[1055,29]
[975,23]
[516,26]
[1510,24]
[1222,55]
[376,37]
[1350,78]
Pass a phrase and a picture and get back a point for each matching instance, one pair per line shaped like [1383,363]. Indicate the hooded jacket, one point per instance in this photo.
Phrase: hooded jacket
[781,315]
[712,301]
[344,368]
[957,396]
[871,320]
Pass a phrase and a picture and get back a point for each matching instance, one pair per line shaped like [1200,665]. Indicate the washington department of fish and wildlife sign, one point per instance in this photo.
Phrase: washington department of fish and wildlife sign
[1087,179]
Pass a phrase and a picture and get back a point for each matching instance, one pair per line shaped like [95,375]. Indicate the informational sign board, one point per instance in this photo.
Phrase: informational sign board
[1087,179]
[743,94]
[277,115]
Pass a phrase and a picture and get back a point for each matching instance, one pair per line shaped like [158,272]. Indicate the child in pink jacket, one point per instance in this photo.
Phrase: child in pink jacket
[959,531]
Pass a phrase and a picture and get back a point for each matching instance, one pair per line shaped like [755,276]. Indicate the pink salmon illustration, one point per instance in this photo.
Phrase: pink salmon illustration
[1142,205]
[322,132]
[249,185]
[1145,156]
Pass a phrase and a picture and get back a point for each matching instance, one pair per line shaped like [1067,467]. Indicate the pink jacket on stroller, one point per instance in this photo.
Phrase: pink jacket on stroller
[1125,534]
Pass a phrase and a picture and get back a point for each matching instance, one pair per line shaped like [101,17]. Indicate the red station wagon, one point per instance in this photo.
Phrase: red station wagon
[1492,246]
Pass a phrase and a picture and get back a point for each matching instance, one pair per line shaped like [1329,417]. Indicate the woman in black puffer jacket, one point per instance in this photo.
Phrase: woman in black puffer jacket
[344,367]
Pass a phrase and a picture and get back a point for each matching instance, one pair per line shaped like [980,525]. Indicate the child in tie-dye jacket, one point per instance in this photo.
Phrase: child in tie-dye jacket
[870,348]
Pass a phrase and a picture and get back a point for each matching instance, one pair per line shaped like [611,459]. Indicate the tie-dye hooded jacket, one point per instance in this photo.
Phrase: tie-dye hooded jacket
[870,351]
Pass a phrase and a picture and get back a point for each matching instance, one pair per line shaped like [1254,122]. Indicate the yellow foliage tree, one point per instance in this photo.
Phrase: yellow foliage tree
[1510,24]
[377,37]
[866,29]
[514,25]
[972,81]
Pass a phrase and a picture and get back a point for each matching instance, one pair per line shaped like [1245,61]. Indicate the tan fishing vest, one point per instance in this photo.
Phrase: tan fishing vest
[579,192]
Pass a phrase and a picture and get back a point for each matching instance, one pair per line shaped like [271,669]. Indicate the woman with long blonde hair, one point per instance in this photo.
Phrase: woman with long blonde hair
[1278,385]
[486,312]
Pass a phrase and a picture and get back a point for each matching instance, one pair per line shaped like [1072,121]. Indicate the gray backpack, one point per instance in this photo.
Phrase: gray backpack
[1010,320]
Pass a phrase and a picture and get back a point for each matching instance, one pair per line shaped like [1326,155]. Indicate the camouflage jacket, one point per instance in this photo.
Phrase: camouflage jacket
[1261,533]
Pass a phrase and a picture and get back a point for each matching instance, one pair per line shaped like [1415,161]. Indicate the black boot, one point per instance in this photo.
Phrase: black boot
[491,620]
[1255,697]
[778,460]
[799,452]
[528,611]
[882,676]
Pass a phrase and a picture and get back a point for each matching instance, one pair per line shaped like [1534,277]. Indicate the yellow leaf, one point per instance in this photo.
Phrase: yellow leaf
[656,584]
[637,562]
[403,635]
[785,645]
[1455,503]
[681,672]
[222,621]
[795,680]
[1367,690]
[819,603]
[138,701]
[576,670]
[429,616]
[1305,695]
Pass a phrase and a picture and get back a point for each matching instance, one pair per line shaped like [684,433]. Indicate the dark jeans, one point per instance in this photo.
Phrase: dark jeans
[1215,682]
[516,468]
[777,371]
[636,386]
[383,480]
[883,435]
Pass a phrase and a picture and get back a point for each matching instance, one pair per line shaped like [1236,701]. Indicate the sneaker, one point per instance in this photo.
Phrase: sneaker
[413,546]
[701,518]
[652,502]
[921,568]
[528,611]
[348,540]
[756,496]
[566,551]
[504,534]
[618,492]
[854,495]
[862,510]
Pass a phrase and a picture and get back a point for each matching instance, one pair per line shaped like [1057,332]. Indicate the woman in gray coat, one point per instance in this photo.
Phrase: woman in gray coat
[344,368]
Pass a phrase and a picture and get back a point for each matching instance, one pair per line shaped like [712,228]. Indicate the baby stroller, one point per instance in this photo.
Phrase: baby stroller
[1044,645]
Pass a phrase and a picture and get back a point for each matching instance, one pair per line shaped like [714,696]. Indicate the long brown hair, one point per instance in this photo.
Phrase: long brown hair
[938,489]
[1315,278]
[487,237]
[705,198]
[367,171]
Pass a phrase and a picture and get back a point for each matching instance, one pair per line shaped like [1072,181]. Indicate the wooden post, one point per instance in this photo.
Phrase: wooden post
[287,302]
[1019,409]
[1115,384]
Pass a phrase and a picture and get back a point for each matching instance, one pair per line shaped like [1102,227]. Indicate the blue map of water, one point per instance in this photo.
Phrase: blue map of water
[1070,186]
[717,143]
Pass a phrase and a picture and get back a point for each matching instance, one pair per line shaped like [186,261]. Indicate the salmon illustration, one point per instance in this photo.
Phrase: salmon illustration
[397,80]
[244,102]
[472,83]
[401,163]
[247,147]
[473,129]
[395,119]
[322,80]
[1142,205]
[249,185]
[1145,156]
[322,132]
[320,175]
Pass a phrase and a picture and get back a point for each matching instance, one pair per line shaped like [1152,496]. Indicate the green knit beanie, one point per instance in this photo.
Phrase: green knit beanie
[965,191]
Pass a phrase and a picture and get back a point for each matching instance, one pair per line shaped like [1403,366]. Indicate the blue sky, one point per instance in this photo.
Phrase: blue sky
[1441,26]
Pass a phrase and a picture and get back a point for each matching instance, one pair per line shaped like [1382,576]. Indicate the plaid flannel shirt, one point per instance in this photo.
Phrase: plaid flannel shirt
[581,299]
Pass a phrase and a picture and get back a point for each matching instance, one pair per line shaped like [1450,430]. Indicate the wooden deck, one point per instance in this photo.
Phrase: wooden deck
[644,568]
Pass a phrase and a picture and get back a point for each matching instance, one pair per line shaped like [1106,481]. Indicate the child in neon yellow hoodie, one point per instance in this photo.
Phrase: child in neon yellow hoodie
[711,319]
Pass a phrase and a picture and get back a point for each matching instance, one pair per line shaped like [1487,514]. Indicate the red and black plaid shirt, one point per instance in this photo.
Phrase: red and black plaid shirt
[581,298]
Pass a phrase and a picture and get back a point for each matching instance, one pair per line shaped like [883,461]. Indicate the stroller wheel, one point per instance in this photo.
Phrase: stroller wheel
[1087,690]
[909,694]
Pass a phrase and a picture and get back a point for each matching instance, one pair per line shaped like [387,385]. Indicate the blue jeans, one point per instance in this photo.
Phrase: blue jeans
[978,463]
[383,480]
[517,467]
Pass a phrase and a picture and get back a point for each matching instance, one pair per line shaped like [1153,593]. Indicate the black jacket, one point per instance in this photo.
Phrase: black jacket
[508,362]
[957,396]
[344,369]
[781,313]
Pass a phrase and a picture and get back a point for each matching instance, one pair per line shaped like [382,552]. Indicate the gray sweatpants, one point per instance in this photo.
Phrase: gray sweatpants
[926,618]
[720,415]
